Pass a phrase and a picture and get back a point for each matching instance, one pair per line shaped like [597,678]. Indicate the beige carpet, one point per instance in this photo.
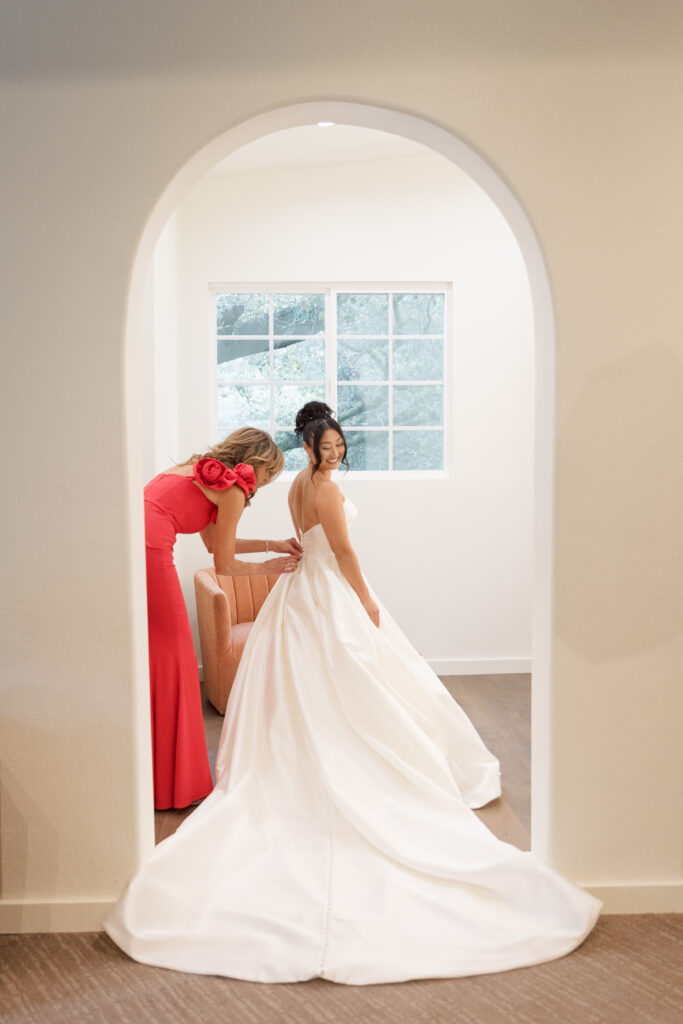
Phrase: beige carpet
[630,970]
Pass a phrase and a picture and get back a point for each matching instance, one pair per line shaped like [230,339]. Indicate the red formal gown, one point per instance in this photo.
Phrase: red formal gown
[174,504]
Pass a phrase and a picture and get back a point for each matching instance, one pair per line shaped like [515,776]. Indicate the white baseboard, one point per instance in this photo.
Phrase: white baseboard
[639,898]
[88,915]
[479,666]
[53,916]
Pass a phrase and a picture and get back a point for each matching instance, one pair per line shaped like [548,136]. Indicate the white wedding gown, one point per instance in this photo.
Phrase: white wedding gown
[339,840]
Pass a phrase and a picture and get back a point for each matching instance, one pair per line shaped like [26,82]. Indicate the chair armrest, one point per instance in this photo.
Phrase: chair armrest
[213,614]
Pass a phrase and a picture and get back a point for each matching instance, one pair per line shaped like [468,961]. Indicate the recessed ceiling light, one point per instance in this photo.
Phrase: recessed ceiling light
[325,124]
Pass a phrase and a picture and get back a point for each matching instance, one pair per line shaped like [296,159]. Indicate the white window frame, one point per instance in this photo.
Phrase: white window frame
[329,289]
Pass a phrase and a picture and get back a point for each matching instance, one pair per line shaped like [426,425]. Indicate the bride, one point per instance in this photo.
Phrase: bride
[340,841]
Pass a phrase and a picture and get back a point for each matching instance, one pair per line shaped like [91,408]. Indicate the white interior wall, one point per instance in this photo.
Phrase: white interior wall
[161,440]
[454,565]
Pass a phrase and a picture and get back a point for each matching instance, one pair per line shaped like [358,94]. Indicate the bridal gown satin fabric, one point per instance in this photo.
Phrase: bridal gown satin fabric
[339,841]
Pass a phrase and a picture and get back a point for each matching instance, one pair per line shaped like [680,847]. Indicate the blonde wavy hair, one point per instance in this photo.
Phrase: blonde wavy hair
[249,445]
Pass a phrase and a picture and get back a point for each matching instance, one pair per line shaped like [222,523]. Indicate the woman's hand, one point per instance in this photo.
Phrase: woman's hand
[276,566]
[290,546]
[372,610]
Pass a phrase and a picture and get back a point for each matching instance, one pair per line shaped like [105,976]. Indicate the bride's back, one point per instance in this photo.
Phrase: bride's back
[301,500]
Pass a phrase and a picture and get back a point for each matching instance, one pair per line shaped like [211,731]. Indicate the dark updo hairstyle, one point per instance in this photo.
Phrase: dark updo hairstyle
[312,420]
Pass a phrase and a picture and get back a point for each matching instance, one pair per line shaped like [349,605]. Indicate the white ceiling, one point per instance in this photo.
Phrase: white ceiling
[309,144]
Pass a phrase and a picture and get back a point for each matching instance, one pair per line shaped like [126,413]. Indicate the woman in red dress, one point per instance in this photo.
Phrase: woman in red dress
[207,495]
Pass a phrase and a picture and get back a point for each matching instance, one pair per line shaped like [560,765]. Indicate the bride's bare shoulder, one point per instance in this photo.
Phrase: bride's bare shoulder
[296,488]
[297,483]
[327,494]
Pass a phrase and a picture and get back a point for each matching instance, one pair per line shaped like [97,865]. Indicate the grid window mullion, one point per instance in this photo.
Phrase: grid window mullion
[331,364]
[391,381]
[411,361]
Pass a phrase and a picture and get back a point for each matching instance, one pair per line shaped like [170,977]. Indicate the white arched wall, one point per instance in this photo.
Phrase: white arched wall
[561,101]
[449,146]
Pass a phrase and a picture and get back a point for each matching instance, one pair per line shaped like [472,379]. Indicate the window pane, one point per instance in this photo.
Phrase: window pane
[360,359]
[363,405]
[242,313]
[295,456]
[367,449]
[421,313]
[299,314]
[290,397]
[243,360]
[418,359]
[299,359]
[362,313]
[418,449]
[240,405]
[418,405]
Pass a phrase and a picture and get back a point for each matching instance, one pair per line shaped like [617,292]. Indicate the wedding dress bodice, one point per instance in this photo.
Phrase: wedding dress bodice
[314,541]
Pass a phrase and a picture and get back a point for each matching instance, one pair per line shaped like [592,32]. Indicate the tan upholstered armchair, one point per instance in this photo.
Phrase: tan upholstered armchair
[226,609]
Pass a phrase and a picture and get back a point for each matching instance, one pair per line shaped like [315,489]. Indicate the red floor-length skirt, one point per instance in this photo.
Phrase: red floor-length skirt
[181,763]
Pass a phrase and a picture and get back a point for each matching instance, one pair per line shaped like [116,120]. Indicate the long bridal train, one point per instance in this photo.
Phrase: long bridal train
[339,841]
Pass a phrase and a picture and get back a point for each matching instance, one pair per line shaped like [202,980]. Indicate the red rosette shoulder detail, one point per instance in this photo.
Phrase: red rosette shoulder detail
[246,478]
[217,476]
[214,474]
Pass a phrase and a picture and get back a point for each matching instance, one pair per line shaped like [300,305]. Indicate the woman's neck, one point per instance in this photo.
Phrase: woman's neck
[320,473]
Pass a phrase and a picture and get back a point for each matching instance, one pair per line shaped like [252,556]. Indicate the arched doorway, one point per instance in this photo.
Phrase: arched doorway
[453,149]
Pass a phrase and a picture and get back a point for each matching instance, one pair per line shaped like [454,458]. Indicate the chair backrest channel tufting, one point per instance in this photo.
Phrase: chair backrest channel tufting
[245,594]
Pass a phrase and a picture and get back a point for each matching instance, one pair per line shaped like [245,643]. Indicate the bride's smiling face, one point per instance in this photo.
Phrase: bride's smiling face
[332,449]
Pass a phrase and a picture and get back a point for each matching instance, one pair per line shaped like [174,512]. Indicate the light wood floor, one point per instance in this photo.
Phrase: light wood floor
[499,707]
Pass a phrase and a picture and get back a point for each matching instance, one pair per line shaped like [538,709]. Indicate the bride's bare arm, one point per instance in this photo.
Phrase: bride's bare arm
[330,508]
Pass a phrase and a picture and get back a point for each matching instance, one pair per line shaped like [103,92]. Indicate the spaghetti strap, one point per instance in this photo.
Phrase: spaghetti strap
[301,511]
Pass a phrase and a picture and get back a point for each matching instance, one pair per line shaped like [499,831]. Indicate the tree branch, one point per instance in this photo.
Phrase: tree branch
[229,350]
